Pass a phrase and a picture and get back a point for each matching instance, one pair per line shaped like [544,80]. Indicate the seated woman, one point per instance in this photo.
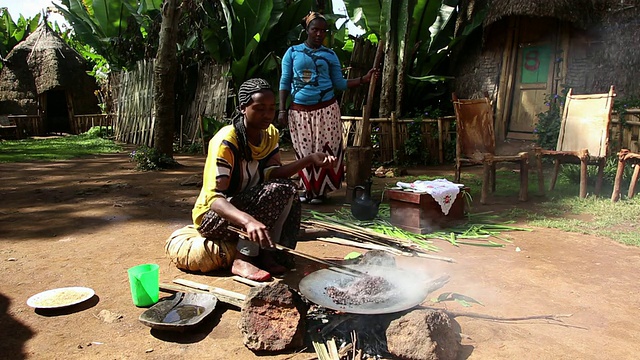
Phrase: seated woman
[246,185]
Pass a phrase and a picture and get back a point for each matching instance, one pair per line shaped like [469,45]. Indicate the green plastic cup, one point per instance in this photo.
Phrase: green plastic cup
[144,283]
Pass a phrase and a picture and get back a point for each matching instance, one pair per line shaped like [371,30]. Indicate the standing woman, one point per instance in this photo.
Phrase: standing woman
[245,184]
[310,73]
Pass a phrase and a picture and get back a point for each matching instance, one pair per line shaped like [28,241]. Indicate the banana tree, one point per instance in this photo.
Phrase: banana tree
[12,33]
[419,35]
[115,29]
[253,35]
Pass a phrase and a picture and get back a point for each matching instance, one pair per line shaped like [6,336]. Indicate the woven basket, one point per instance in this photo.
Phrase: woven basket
[190,251]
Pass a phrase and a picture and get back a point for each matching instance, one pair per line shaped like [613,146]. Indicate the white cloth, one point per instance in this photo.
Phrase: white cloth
[443,191]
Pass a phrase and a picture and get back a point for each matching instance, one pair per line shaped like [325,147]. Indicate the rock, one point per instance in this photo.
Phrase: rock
[377,258]
[109,317]
[423,335]
[273,318]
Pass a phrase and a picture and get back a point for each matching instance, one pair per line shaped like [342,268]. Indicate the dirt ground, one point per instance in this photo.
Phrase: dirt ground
[85,222]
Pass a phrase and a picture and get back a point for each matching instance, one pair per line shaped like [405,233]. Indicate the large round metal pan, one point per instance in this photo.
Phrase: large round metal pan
[409,289]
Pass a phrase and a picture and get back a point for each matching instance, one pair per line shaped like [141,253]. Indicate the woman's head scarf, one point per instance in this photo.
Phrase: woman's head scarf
[312,15]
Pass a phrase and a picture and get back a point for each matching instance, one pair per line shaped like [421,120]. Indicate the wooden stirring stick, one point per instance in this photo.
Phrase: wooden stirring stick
[332,266]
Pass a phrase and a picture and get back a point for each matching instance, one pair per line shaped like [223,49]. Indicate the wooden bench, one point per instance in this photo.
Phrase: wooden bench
[8,129]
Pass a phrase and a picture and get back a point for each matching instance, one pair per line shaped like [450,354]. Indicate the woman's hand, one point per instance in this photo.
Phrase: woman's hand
[323,160]
[283,118]
[367,78]
[258,233]
[318,159]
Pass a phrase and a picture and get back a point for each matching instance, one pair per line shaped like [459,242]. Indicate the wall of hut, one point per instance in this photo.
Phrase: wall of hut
[614,46]
[606,53]
[478,64]
[598,46]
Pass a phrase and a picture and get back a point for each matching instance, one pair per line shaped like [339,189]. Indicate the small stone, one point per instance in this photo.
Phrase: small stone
[109,317]
[12,259]
[148,351]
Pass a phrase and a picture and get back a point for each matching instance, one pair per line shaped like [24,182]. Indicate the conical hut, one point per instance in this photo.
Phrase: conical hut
[528,51]
[45,78]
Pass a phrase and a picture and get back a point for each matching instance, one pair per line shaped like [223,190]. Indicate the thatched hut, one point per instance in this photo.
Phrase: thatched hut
[44,77]
[529,50]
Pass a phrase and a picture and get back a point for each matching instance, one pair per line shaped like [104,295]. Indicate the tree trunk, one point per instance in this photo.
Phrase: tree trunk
[403,27]
[165,77]
[388,91]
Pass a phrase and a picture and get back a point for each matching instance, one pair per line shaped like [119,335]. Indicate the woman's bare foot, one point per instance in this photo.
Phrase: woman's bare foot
[243,267]
[268,262]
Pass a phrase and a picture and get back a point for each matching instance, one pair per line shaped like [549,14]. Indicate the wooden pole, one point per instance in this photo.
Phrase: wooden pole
[181,121]
[201,127]
[366,126]
[440,142]
[394,134]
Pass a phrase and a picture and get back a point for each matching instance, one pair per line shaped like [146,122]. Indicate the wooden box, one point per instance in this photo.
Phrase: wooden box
[419,213]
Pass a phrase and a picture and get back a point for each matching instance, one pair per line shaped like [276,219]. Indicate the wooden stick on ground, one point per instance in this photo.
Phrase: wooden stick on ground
[179,288]
[556,318]
[332,266]
[226,296]
[249,282]
[358,244]
[376,238]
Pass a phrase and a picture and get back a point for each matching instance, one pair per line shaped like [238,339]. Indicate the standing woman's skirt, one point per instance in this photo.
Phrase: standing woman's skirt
[318,128]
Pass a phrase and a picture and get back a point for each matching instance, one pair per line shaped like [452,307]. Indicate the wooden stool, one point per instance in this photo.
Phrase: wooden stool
[626,157]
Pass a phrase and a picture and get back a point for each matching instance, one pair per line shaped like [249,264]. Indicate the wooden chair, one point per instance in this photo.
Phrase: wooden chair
[626,157]
[476,145]
[583,138]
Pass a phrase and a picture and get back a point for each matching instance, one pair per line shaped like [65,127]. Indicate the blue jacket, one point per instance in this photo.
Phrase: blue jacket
[311,75]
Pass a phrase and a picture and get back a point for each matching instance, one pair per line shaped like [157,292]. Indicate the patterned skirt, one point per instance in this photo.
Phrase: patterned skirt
[265,202]
[318,130]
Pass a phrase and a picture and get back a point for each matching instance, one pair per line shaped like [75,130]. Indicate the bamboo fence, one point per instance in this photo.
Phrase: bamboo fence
[133,93]
[82,123]
[134,120]
[212,92]
[625,136]
[391,133]
[359,64]
[27,125]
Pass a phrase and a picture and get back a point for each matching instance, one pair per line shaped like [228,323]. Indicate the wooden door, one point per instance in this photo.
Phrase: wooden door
[536,52]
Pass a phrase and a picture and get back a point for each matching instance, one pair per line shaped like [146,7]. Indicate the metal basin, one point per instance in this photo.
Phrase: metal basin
[409,289]
[179,311]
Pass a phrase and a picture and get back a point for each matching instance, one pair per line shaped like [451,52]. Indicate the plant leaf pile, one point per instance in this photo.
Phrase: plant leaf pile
[481,229]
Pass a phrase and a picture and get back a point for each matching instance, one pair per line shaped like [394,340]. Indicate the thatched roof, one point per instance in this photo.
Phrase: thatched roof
[42,62]
[578,12]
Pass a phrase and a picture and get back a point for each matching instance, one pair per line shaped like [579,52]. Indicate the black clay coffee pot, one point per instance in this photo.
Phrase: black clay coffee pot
[362,206]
